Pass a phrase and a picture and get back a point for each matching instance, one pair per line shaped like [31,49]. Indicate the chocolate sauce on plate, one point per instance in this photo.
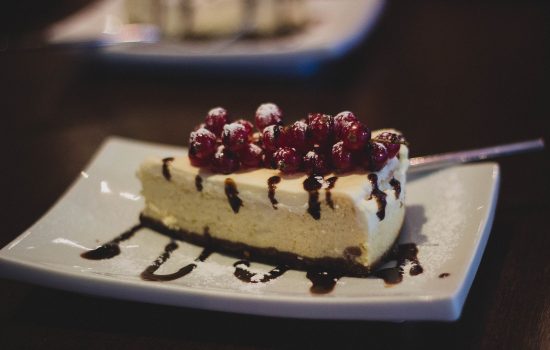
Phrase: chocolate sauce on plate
[246,275]
[402,253]
[165,167]
[149,273]
[444,275]
[111,249]
[232,195]
[323,281]
[271,182]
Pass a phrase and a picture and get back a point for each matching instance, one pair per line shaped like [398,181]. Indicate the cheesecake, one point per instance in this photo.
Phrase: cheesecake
[219,18]
[336,216]
[347,221]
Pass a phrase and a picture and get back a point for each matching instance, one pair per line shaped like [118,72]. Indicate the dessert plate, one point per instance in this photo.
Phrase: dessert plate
[449,217]
[334,28]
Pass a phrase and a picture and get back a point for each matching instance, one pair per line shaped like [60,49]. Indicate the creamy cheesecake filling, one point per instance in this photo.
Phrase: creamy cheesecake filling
[184,197]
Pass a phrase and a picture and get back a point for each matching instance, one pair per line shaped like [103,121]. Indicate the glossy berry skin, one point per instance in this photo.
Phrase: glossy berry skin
[234,136]
[251,156]
[342,158]
[216,119]
[272,137]
[355,136]
[315,163]
[321,128]
[197,161]
[287,160]
[378,155]
[392,142]
[268,114]
[202,144]
[249,127]
[224,161]
[340,120]
[298,136]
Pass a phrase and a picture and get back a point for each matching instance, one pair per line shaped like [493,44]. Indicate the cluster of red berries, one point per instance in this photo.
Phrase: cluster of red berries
[318,145]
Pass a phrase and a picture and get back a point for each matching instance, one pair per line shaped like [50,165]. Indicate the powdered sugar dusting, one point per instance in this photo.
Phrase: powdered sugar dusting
[200,132]
[229,129]
[310,155]
[269,131]
[300,125]
[219,152]
[440,236]
[267,110]
[217,111]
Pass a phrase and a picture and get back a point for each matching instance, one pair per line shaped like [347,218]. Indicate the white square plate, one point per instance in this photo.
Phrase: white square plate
[449,217]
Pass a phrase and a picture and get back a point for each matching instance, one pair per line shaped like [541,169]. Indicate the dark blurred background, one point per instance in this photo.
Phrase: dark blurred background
[451,75]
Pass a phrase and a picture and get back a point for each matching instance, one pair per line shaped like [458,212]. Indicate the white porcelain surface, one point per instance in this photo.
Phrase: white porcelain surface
[336,26]
[449,216]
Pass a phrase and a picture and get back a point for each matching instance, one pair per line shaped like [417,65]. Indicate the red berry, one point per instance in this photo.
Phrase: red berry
[392,142]
[202,143]
[340,120]
[272,137]
[251,156]
[224,161]
[268,114]
[287,159]
[355,136]
[234,136]
[298,137]
[197,161]
[247,125]
[216,119]
[378,156]
[315,164]
[321,128]
[341,157]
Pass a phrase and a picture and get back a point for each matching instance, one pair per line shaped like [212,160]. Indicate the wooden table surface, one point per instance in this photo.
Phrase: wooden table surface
[451,76]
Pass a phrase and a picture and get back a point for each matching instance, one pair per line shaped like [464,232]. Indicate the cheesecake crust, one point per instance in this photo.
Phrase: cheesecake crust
[345,265]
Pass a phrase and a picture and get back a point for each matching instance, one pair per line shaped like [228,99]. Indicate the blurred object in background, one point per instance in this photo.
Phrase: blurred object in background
[179,19]
[259,37]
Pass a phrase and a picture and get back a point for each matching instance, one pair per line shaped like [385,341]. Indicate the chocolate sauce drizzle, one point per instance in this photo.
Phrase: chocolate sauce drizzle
[312,184]
[232,195]
[328,196]
[379,195]
[149,273]
[444,275]
[396,186]
[246,275]
[323,282]
[198,183]
[271,182]
[111,249]
[165,168]
[402,253]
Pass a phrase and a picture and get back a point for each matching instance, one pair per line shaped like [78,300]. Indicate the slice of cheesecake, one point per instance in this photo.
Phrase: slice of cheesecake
[345,222]
[219,18]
